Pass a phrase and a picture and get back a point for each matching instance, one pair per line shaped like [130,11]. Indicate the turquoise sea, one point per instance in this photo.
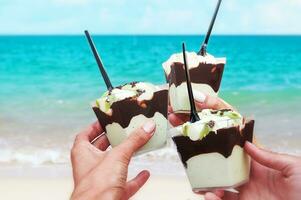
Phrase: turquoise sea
[47,84]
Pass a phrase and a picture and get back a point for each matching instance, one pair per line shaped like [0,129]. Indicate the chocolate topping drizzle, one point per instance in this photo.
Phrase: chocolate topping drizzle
[221,142]
[210,74]
[123,111]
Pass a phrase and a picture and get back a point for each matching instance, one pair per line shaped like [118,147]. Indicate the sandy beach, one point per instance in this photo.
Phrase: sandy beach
[30,186]
[158,187]
[33,183]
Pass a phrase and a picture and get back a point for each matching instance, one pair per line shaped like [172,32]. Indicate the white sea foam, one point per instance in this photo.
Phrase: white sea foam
[52,145]
[34,158]
[159,160]
[10,154]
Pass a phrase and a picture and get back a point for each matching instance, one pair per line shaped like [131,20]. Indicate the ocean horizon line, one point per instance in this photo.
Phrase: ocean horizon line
[149,35]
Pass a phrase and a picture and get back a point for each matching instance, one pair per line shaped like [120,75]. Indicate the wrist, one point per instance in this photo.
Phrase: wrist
[89,194]
[92,194]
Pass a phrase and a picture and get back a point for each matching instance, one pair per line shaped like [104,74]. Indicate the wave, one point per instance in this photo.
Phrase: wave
[33,157]
[44,156]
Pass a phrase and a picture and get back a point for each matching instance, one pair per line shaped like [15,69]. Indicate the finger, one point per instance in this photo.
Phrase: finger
[169,109]
[101,142]
[268,159]
[219,193]
[211,196]
[199,96]
[213,103]
[136,183]
[256,142]
[89,133]
[177,119]
[137,139]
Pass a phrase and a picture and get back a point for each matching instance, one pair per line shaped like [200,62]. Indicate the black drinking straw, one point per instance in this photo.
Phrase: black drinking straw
[193,113]
[99,62]
[203,49]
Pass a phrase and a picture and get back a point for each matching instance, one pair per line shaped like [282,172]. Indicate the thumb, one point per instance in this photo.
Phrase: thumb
[268,159]
[210,102]
[137,139]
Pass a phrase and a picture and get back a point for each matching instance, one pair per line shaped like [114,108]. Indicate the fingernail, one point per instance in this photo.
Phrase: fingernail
[250,144]
[149,127]
[199,96]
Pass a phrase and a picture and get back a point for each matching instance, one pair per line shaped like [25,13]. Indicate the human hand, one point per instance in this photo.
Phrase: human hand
[202,102]
[101,174]
[273,176]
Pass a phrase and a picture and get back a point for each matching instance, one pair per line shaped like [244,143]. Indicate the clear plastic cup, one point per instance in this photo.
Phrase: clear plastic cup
[218,160]
[129,114]
[205,75]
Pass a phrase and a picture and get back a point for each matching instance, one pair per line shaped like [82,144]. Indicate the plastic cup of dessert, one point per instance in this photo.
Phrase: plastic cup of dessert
[218,160]
[205,74]
[131,110]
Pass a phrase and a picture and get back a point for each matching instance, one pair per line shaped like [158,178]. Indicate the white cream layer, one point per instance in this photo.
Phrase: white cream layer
[127,91]
[213,170]
[178,96]
[200,129]
[116,134]
[193,60]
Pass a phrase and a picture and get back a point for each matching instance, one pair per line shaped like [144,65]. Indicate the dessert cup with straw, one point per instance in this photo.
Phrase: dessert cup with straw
[122,109]
[210,145]
[205,71]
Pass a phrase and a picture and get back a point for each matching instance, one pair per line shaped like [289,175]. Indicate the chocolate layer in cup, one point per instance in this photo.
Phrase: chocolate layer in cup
[221,142]
[128,114]
[210,74]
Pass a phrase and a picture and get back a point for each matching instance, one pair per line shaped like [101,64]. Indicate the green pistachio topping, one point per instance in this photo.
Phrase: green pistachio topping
[211,121]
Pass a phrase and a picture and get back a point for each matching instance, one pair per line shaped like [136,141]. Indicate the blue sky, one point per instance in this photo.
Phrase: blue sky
[149,16]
